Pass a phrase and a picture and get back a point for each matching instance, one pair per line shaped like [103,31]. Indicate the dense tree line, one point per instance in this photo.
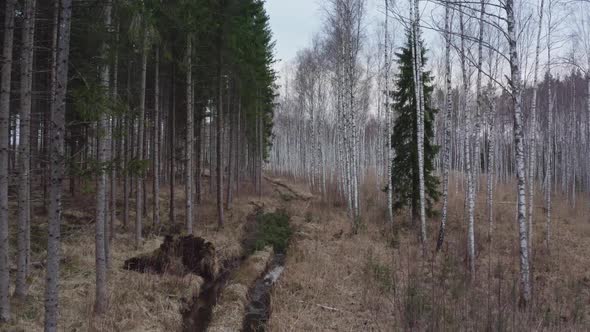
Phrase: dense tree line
[123,94]
[508,109]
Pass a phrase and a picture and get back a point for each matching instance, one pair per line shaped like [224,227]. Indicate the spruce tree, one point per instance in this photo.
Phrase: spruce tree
[404,139]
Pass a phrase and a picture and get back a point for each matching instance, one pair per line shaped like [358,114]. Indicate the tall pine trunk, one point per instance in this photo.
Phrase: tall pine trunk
[190,132]
[24,147]
[140,143]
[58,112]
[4,155]
[172,116]
[219,140]
[101,238]
[157,140]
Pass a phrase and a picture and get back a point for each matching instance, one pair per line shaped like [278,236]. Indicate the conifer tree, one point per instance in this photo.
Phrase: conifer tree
[405,167]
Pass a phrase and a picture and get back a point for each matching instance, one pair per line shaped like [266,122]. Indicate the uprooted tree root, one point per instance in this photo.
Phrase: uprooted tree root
[179,256]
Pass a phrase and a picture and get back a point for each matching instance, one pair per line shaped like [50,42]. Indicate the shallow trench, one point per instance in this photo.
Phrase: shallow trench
[258,310]
[198,316]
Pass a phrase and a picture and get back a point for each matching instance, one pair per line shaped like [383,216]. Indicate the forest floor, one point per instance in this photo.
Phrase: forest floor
[374,280]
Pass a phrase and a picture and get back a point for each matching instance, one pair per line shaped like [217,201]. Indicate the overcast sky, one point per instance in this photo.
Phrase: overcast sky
[293,23]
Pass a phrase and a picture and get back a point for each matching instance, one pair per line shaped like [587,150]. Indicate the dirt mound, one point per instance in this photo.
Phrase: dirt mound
[179,255]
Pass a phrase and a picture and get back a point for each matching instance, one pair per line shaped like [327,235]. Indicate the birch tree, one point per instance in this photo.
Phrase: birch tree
[448,129]
[516,94]
[470,195]
[533,128]
[417,49]
[388,118]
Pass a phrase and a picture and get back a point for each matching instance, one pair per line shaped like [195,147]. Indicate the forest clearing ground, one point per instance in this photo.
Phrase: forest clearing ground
[373,281]
[333,280]
[137,301]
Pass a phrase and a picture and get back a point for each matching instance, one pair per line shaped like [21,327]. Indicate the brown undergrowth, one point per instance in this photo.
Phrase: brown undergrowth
[379,280]
[137,301]
[333,279]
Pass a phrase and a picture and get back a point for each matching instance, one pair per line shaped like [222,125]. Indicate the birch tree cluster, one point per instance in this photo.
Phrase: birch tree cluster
[511,87]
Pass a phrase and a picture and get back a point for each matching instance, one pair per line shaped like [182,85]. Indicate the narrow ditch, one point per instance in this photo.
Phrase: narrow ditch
[197,256]
[258,309]
[198,315]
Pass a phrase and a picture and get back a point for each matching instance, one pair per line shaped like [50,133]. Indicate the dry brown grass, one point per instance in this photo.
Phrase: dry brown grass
[137,302]
[379,281]
[334,280]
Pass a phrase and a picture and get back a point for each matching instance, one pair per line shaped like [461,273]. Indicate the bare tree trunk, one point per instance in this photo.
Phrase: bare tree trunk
[448,119]
[550,137]
[24,147]
[140,131]
[470,197]
[533,138]
[389,119]
[58,112]
[491,165]
[171,214]
[230,162]
[477,122]
[157,140]
[190,132]
[515,85]
[198,155]
[420,117]
[115,126]
[101,239]
[219,141]
[4,155]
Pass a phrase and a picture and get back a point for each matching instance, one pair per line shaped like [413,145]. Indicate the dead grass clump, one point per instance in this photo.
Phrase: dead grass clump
[367,282]
[137,302]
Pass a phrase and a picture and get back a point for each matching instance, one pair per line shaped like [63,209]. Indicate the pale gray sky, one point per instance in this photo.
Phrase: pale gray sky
[293,22]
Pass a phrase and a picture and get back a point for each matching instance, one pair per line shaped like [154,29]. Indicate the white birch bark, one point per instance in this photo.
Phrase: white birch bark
[417,53]
[477,130]
[533,126]
[388,119]
[550,137]
[447,119]
[515,86]
[470,197]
